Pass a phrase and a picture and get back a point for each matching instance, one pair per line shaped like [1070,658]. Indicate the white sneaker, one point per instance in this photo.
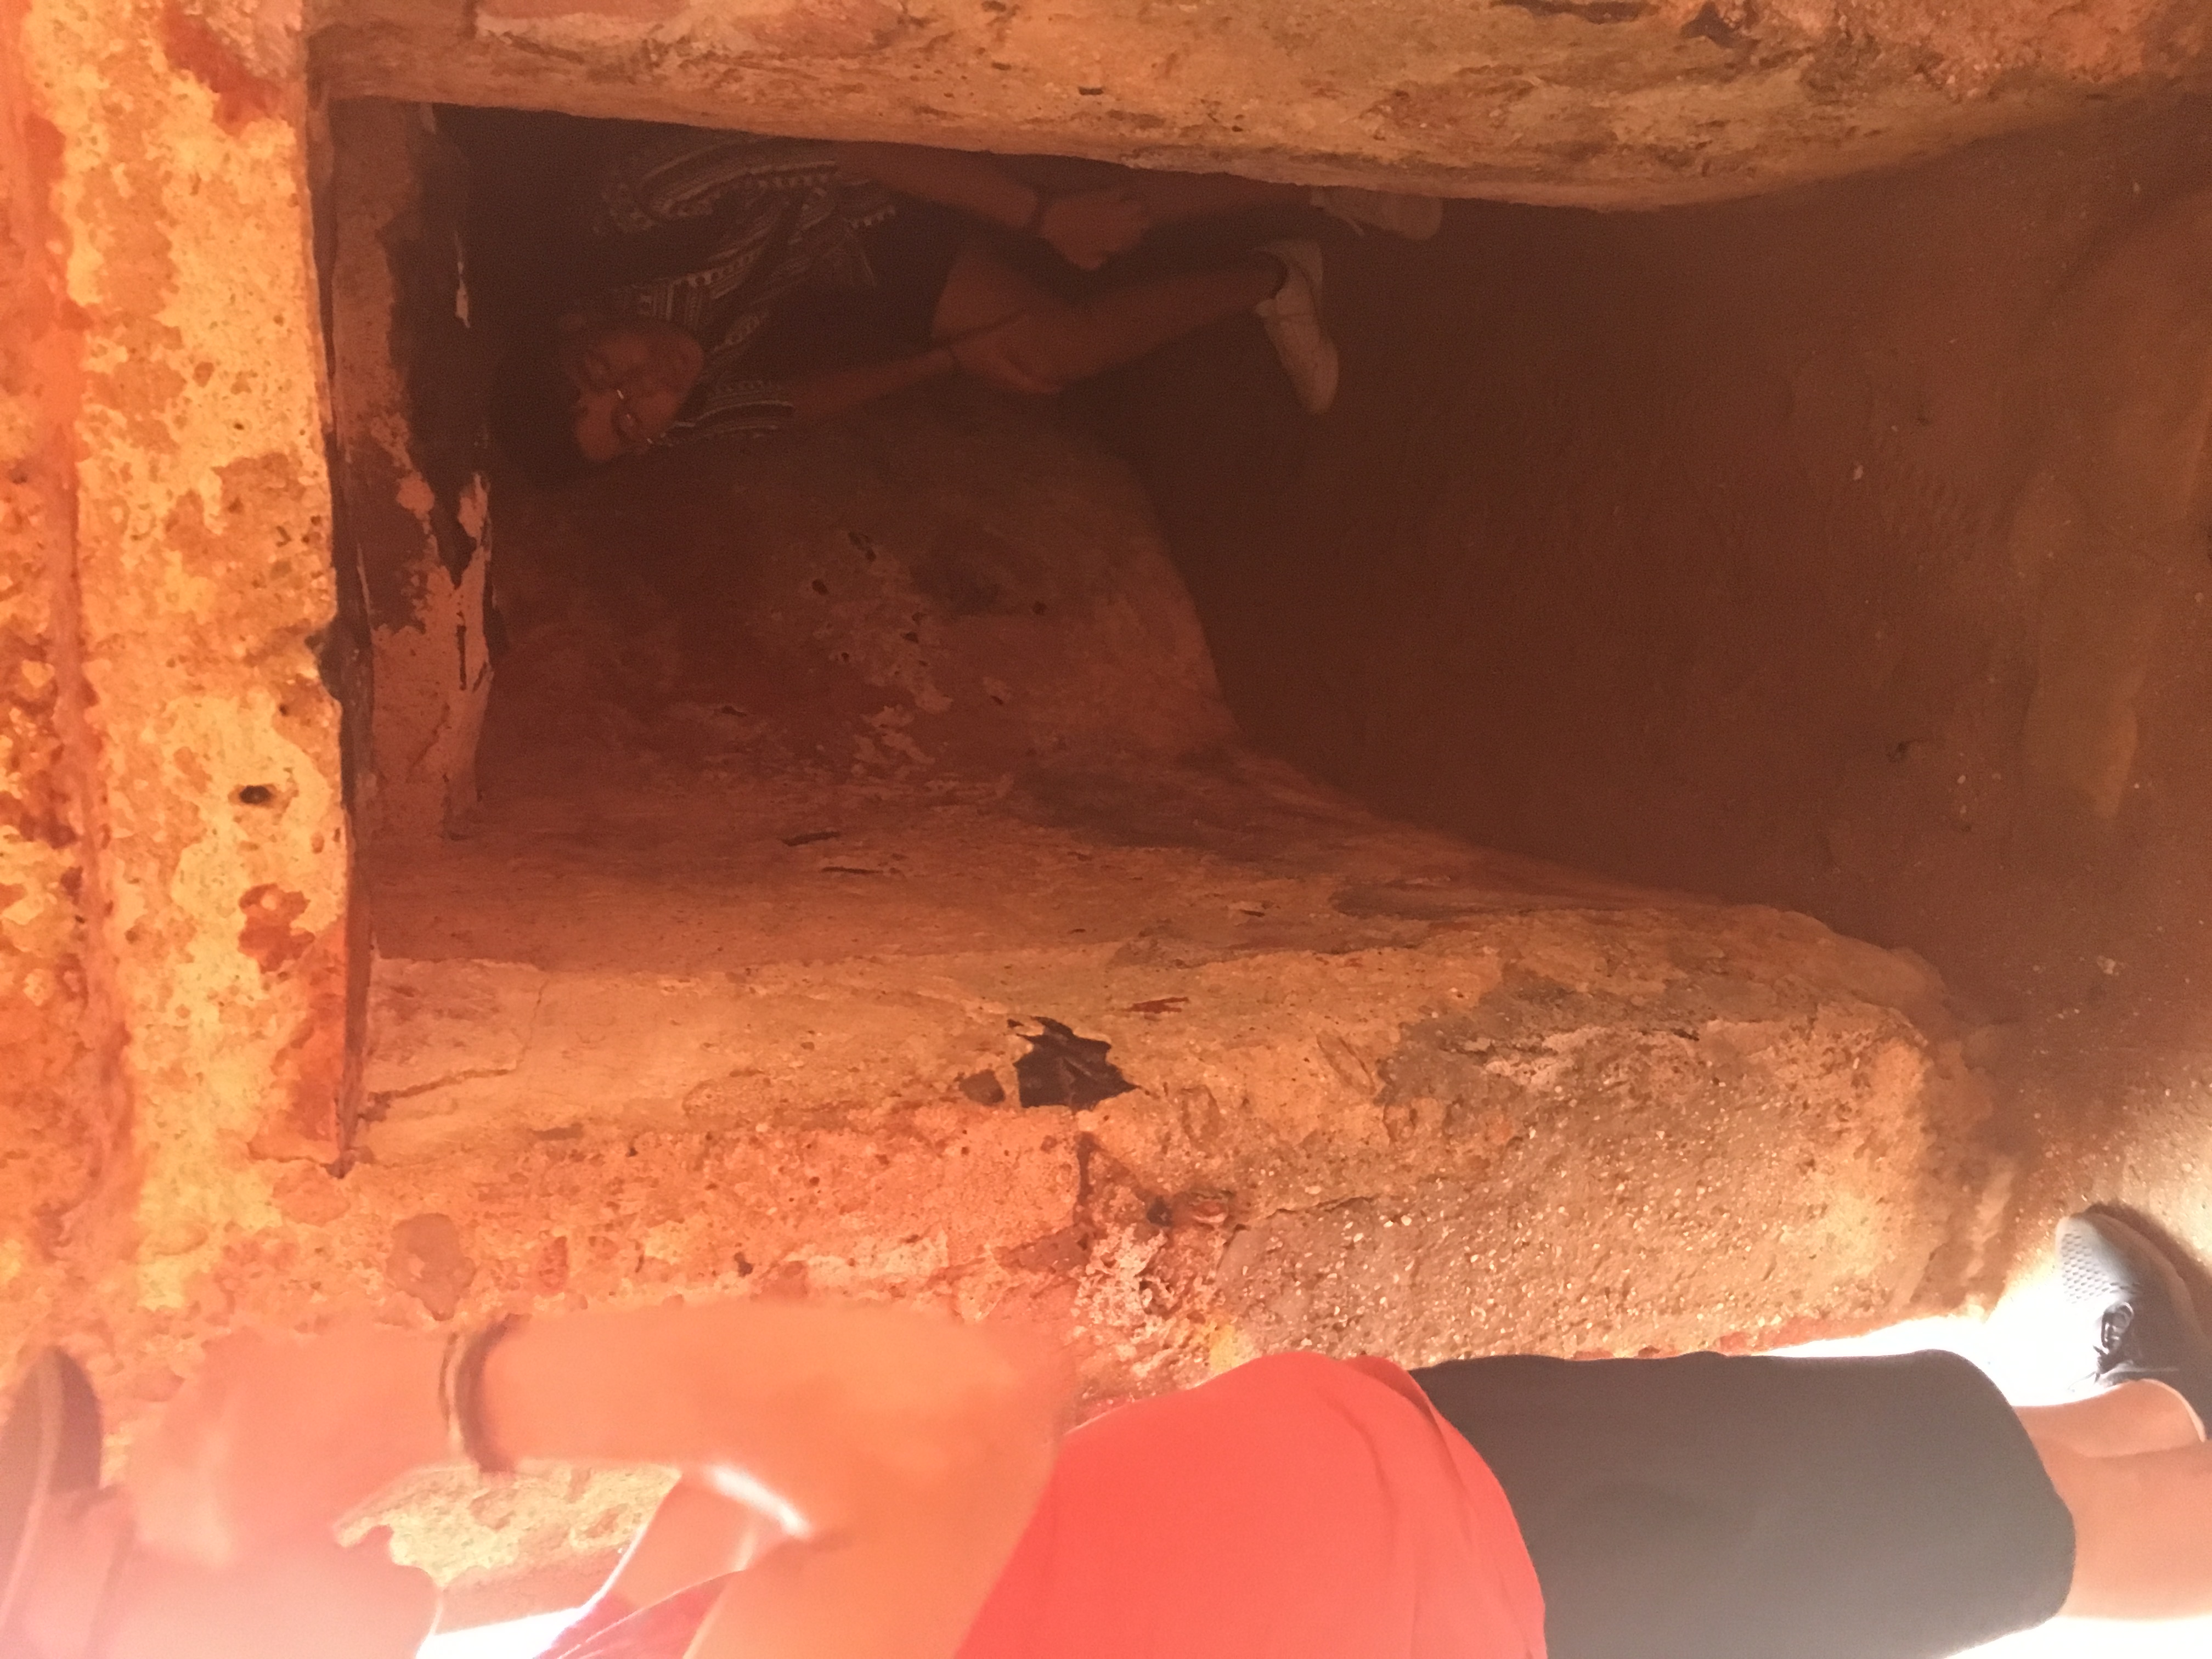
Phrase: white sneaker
[1292,314]
[1416,218]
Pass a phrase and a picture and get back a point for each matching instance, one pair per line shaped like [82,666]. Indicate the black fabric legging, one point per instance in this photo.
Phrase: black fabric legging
[1723,1507]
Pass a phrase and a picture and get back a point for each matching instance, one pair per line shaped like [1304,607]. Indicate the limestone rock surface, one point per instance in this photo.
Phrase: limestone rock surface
[1596,102]
[870,897]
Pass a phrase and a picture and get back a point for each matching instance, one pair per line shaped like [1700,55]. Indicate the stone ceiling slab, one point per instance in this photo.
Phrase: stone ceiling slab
[1603,103]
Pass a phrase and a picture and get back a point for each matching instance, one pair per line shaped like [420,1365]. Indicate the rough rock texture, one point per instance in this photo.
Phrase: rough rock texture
[869,897]
[871,893]
[409,403]
[53,1126]
[1845,550]
[1604,102]
[179,820]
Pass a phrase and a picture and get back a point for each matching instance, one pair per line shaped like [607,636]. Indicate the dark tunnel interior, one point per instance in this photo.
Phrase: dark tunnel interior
[1808,551]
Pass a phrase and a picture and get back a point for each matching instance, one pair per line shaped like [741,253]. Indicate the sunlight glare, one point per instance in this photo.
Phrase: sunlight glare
[519,1638]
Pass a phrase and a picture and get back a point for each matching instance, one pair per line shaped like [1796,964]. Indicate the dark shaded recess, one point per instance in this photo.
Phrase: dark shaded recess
[1574,569]
[523,168]
[1063,1069]
[342,662]
[342,645]
[1685,548]
[441,357]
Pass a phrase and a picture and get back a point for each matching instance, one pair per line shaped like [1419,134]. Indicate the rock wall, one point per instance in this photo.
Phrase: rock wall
[58,1110]
[1602,102]
[1846,550]
[409,401]
[870,897]
[883,902]
[175,810]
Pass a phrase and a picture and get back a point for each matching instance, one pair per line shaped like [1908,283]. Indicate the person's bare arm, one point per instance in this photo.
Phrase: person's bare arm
[1000,355]
[907,1450]
[911,1456]
[976,183]
[822,397]
[1086,226]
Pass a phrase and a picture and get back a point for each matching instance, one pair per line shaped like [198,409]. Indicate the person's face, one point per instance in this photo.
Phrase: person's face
[631,376]
[313,1597]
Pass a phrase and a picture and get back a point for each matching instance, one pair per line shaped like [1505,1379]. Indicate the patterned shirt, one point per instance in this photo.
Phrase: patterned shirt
[710,231]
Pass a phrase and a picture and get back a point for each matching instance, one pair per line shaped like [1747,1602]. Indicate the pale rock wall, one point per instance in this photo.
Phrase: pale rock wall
[168,438]
[55,1110]
[1589,1125]
[1595,102]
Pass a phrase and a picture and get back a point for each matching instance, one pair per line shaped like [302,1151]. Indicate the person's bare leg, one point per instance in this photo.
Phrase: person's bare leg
[1109,329]
[2135,1417]
[2142,1531]
[2135,1472]
[973,182]
[981,289]
[1125,324]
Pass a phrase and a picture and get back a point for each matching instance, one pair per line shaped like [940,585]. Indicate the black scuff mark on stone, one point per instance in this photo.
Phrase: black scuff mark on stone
[1590,11]
[983,1088]
[1063,1069]
[808,838]
[1710,25]
[1159,1005]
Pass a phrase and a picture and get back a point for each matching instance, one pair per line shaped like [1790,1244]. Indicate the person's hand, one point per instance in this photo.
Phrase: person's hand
[1092,226]
[1013,355]
[279,1436]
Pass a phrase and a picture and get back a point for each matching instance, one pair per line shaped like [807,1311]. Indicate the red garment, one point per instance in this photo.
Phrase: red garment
[1295,1508]
[613,1629]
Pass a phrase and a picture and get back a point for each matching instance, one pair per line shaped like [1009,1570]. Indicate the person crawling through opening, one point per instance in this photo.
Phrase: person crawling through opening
[728,283]
[870,1482]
